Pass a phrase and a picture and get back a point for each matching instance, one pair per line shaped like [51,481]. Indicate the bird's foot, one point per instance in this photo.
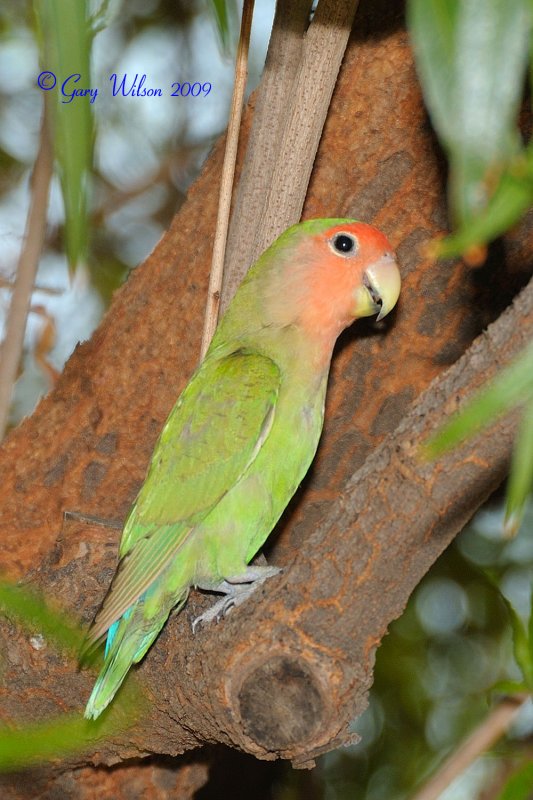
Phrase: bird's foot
[236,589]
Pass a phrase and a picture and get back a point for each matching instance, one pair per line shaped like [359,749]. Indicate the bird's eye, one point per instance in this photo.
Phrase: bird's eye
[344,244]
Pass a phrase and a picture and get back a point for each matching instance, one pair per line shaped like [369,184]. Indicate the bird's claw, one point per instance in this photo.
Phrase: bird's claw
[236,591]
[215,613]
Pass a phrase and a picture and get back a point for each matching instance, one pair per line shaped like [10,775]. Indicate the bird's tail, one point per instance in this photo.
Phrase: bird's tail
[128,641]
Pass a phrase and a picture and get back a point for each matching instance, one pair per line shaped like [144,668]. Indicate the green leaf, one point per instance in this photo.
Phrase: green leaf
[521,645]
[223,12]
[34,743]
[509,688]
[520,481]
[433,26]
[31,612]
[513,386]
[26,744]
[472,57]
[511,199]
[518,787]
[492,43]
[65,41]
[530,628]
[522,649]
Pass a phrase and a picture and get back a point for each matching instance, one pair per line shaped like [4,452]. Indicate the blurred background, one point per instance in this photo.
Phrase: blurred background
[147,150]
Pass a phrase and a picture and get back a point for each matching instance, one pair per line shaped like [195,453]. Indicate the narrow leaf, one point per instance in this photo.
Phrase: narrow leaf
[223,12]
[520,482]
[433,28]
[491,59]
[32,613]
[31,744]
[521,647]
[511,199]
[513,386]
[26,744]
[530,628]
[518,787]
[472,58]
[65,40]
[509,688]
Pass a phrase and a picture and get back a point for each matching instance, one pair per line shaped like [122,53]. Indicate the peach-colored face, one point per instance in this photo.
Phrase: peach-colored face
[349,271]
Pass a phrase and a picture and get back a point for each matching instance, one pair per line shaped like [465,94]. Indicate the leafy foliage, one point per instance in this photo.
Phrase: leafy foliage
[519,785]
[65,42]
[224,12]
[21,746]
[34,614]
[511,388]
[472,57]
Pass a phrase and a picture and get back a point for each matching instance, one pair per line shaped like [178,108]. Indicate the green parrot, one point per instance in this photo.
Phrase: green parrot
[241,436]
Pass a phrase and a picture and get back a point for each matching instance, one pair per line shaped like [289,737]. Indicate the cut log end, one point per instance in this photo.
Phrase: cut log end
[282,705]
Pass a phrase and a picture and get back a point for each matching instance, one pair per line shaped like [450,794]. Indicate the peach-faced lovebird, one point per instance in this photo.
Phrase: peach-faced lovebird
[241,436]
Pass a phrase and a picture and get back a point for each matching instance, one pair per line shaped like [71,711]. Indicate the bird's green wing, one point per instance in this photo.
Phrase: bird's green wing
[211,437]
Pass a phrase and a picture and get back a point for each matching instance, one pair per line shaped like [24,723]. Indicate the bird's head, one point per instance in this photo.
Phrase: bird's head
[336,271]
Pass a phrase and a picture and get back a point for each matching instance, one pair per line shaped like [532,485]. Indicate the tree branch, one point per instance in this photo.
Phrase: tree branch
[289,674]
[228,174]
[482,739]
[11,350]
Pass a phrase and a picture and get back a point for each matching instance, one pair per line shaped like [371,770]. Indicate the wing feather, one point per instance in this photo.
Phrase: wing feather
[211,437]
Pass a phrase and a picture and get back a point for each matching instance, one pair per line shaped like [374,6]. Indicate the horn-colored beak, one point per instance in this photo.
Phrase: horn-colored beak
[380,289]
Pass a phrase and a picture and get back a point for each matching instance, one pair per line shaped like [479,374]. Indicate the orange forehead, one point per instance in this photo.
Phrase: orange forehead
[333,278]
[370,239]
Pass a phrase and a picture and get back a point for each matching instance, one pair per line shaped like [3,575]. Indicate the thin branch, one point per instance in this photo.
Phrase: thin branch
[6,283]
[487,733]
[26,272]
[228,172]
[306,103]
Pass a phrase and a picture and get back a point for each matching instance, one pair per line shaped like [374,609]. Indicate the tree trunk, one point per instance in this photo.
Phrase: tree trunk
[282,675]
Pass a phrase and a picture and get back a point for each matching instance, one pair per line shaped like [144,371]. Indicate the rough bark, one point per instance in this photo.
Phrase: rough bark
[282,675]
[156,780]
